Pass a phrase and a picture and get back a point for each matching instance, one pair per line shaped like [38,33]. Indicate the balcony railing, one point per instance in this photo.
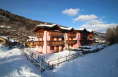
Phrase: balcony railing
[55,34]
[71,35]
[86,42]
[71,41]
[39,34]
[55,43]
[39,43]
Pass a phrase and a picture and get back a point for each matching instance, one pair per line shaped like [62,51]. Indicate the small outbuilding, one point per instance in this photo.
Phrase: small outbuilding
[4,41]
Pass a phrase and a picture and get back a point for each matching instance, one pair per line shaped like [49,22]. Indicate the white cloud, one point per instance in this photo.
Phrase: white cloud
[73,22]
[71,12]
[99,27]
[93,22]
[85,17]
[84,26]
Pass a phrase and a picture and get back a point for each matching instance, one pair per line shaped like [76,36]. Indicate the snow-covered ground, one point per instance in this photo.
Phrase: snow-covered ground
[14,64]
[100,64]
[54,56]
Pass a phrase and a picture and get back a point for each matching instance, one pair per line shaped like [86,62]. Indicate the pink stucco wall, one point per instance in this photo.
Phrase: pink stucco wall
[66,45]
[39,48]
[78,42]
[46,48]
[76,38]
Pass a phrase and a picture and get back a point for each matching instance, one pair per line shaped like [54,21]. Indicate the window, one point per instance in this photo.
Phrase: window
[51,38]
[42,39]
[71,45]
[51,47]
[71,38]
[57,39]
[62,38]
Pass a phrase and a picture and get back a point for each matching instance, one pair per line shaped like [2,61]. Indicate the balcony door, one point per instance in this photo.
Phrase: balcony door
[71,45]
[57,48]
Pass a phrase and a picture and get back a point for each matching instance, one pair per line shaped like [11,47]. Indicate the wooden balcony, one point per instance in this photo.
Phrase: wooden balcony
[55,34]
[39,43]
[55,43]
[71,41]
[71,35]
[86,42]
[34,43]
[91,35]
[39,34]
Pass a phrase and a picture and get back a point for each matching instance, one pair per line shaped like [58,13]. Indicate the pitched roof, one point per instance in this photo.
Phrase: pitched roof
[63,28]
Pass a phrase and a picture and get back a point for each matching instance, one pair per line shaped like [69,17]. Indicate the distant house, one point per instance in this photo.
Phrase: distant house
[99,39]
[4,41]
[53,38]
[30,40]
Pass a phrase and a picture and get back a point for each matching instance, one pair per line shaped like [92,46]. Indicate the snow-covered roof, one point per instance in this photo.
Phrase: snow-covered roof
[32,38]
[2,26]
[89,30]
[8,27]
[66,28]
[80,29]
[41,25]
[45,25]
[4,37]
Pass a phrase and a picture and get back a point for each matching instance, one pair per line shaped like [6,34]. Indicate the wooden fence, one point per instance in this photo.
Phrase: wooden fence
[63,59]
[35,59]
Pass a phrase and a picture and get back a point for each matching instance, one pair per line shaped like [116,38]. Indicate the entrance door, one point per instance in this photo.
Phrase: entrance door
[57,48]
[63,47]
[72,45]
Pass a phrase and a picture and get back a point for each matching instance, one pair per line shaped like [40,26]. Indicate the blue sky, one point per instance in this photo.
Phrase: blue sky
[91,14]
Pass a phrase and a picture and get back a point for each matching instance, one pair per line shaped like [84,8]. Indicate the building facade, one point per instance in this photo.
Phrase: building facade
[53,38]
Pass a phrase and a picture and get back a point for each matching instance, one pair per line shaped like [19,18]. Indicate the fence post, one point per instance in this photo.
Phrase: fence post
[52,66]
[27,57]
[58,59]
[48,63]
[36,64]
[66,57]
[40,67]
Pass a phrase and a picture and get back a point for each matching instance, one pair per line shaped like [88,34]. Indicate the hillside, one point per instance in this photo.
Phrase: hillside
[100,34]
[7,18]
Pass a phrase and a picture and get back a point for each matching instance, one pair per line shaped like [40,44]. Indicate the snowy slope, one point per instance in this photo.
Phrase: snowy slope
[99,64]
[14,64]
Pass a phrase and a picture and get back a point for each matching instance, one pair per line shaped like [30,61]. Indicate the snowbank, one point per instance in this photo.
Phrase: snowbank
[14,64]
[99,64]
